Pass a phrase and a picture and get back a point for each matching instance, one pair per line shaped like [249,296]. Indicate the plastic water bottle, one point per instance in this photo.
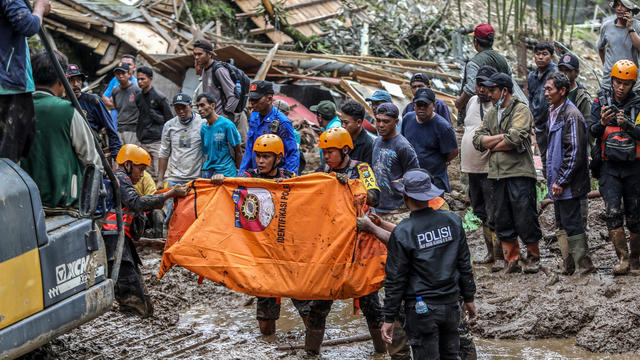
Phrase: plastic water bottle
[421,307]
[238,88]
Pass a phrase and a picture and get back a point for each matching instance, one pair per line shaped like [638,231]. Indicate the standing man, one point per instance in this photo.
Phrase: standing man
[107,95]
[154,112]
[543,55]
[430,289]
[476,164]
[94,109]
[614,123]
[419,81]
[567,173]
[218,136]
[483,36]
[619,38]
[217,81]
[351,118]
[431,136]
[124,100]
[506,132]
[379,97]
[17,119]
[266,119]
[63,145]
[325,112]
[180,157]
[393,155]
[579,96]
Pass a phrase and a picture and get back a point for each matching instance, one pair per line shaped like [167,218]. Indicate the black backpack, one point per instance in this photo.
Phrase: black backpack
[236,75]
[619,146]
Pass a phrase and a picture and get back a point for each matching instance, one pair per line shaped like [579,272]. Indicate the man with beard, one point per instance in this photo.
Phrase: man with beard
[94,109]
[476,164]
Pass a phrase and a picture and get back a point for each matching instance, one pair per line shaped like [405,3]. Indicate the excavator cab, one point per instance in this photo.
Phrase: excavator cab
[53,269]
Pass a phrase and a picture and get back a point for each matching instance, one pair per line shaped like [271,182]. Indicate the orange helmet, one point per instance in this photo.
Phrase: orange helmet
[269,143]
[134,153]
[625,70]
[335,138]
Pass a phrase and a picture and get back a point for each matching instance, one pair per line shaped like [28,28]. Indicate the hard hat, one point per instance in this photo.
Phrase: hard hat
[133,153]
[269,143]
[625,70]
[335,138]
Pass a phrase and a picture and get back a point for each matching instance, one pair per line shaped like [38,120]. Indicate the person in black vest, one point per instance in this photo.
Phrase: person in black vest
[616,126]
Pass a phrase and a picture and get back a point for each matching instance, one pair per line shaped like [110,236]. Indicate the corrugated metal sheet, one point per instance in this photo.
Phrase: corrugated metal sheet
[113,10]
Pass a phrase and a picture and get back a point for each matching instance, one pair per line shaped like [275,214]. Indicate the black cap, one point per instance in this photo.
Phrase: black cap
[122,66]
[182,99]
[259,89]
[500,80]
[425,95]
[569,61]
[485,72]
[203,44]
[420,77]
[416,184]
[74,70]
[388,109]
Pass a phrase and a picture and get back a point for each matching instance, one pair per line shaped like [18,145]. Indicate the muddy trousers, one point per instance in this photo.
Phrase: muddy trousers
[433,335]
[516,214]
[481,196]
[268,309]
[568,215]
[618,188]
[129,278]
[314,311]
[17,125]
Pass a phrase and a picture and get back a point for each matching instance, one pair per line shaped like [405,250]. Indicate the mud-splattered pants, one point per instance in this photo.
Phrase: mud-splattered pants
[516,214]
[620,186]
[17,125]
[129,278]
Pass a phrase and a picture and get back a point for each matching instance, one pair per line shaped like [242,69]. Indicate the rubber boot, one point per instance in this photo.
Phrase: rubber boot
[376,337]
[567,260]
[488,240]
[313,341]
[267,327]
[619,240]
[532,262]
[136,304]
[580,253]
[511,253]
[634,247]
[498,264]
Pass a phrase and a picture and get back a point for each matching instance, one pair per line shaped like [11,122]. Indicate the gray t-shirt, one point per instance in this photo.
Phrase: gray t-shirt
[226,100]
[616,42]
[181,144]
[391,159]
[124,101]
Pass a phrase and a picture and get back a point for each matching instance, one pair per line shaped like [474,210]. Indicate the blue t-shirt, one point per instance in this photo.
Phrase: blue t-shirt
[216,142]
[391,159]
[107,93]
[431,141]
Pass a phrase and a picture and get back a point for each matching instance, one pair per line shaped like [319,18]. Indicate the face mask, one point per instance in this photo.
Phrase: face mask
[500,102]
[187,122]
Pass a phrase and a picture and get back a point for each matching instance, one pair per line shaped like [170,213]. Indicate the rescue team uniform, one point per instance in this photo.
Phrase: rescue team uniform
[428,257]
[133,208]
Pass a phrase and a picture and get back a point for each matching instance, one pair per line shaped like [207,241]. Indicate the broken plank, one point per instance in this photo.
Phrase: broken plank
[288,7]
[157,27]
[295,24]
[266,64]
[110,54]
[346,86]
[378,76]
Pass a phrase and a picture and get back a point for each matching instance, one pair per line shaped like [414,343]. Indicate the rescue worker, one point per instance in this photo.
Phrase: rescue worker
[336,144]
[567,172]
[131,293]
[268,151]
[430,289]
[616,126]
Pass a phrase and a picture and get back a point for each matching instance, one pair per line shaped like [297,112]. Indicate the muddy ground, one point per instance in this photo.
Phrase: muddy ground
[540,316]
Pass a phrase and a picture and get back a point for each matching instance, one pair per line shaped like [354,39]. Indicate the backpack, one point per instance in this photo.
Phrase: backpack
[618,145]
[237,76]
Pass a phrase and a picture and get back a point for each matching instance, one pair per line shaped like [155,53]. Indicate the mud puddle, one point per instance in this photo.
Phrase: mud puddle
[546,349]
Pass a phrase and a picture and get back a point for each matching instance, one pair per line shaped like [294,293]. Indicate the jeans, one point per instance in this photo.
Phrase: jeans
[169,203]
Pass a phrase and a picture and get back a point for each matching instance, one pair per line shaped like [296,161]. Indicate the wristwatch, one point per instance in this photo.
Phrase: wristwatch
[632,30]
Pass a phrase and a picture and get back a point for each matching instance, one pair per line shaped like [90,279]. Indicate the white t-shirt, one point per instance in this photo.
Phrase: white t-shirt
[181,144]
[472,160]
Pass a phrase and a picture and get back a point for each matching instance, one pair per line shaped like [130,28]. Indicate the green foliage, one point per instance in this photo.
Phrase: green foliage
[204,11]
[471,221]
[541,191]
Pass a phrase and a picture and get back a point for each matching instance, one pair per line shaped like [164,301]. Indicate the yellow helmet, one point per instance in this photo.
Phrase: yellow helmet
[625,70]
[269,143]
[134,153]
[335,138]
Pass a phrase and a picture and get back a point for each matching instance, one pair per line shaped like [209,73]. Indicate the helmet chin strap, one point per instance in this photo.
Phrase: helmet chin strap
[128,169]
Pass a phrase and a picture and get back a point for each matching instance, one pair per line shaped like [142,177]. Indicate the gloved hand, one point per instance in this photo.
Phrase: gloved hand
[342,178]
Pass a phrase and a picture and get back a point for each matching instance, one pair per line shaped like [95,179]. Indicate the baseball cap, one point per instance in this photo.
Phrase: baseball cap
[380,95]
[258,89]
[569,61]
[74,70]
[388,109]
[425,95]
[122,66]
[629,4]
[499,79]
[324,107]
[204,45]
[182,99]
[484,32]
[485,72]
[282,106]
[419,77]
[416,184]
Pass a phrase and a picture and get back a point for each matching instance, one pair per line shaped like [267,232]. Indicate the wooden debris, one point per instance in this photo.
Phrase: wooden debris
[339,341]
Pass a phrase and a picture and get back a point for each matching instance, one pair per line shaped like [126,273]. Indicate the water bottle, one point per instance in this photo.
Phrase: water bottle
[238,88]
[421,307]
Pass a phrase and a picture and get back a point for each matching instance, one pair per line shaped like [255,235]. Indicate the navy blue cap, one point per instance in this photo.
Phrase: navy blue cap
[416,184]
[500,80]
[425,95]
[569,61]
[388,109]
[182,99]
